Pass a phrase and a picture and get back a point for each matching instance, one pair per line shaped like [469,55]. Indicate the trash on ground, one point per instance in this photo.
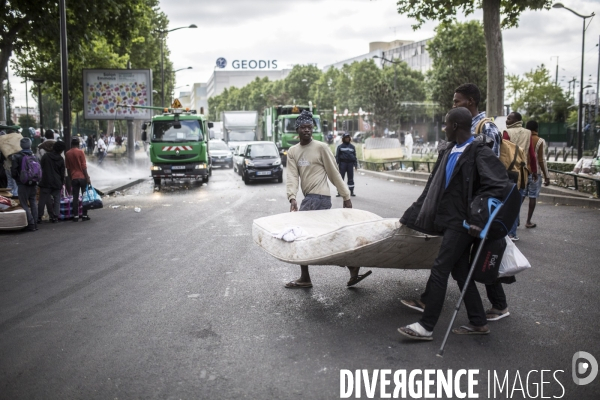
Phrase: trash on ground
[193,296]
[137,209]
[115,206]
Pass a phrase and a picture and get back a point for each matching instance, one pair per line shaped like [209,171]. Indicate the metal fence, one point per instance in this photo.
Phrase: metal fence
[581,183]
[398,165]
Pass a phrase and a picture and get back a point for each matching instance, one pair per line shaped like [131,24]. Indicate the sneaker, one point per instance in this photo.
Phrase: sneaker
[30,228]
[75,219]
[514,238]
[85,218]
[352,194]
[338,195]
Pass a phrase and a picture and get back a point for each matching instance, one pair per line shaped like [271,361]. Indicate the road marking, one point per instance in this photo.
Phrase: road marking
[227,292]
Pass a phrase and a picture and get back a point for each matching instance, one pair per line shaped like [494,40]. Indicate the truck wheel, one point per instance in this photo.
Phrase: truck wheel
[157,181]
[205,179]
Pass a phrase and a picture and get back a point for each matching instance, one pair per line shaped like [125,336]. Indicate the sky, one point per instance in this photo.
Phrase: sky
[326,31]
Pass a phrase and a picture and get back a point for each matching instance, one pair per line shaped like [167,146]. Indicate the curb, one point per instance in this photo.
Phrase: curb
[122,187]
[544,198]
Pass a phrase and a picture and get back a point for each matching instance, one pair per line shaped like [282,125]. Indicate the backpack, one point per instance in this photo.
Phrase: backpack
[511,156]
[513,159]
[31,171]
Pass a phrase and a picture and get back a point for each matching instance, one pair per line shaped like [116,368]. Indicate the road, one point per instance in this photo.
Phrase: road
[177,302]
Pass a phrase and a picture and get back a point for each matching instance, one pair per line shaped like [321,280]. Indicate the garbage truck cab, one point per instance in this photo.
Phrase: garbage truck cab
[279,126]
[178,145]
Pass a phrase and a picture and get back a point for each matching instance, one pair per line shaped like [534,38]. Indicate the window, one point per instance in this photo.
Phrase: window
[266,150]
[240,136]
[218,145]
[165,131]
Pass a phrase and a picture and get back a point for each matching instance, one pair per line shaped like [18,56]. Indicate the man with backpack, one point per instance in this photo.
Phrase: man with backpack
[77,170]
[27,172]
[466,168]
[53,179]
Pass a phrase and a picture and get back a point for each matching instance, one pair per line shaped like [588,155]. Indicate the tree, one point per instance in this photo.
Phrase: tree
[94,41]
[25,121]
[386,106]
[445,11]
[458,56]
[299,80]
[537,97]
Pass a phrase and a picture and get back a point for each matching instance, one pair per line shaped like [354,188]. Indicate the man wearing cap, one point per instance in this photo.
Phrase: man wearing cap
[345,156]
[27,191]
[310,164]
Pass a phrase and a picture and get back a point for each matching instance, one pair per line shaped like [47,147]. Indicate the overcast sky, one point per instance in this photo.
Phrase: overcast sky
[326,31]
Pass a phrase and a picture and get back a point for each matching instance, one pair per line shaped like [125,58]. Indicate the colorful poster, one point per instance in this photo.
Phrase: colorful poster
[115,93]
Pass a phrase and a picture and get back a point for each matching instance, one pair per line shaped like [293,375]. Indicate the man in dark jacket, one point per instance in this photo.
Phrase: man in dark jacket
[27,191]
[345,156]
[53,179]
[442,208]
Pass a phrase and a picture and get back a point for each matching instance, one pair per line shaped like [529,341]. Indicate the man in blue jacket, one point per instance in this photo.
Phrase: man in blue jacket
[27,190]
[345,156]
[441,210]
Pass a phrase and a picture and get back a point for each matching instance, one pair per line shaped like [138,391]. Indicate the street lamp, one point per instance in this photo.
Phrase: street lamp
[162,33]
[395,71]
[39,82]
[580,109]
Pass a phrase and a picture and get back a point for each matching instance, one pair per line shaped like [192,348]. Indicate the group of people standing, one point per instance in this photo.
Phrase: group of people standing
[48,170]
[471,152]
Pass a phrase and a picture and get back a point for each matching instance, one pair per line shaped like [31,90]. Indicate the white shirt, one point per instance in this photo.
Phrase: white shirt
[101,145]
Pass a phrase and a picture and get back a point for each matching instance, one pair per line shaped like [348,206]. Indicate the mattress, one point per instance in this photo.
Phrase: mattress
[13,220]
[347,237]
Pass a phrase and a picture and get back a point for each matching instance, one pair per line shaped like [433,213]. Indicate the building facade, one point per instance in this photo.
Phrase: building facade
[413,53]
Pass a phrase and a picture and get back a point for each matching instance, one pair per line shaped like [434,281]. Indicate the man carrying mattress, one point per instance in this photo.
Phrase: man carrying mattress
[441,210]
[310,164]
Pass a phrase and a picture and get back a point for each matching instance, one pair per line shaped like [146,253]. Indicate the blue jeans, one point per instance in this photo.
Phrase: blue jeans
[513,231]
[12,184]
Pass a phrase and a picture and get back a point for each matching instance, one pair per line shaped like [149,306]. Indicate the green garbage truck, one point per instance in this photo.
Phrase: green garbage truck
[279,126]
[178,145]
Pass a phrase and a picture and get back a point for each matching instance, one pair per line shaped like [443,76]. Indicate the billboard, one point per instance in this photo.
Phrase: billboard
[106,91]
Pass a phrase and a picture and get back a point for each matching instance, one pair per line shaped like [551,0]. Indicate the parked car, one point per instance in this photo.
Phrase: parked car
[261,162]
[359,137]
[238,158]
[220,154]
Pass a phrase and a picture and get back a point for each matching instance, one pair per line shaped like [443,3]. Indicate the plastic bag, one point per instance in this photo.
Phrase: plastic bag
[91,200]
[513,261]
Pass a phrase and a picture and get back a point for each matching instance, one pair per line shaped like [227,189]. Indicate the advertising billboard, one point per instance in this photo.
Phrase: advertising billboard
[114,93]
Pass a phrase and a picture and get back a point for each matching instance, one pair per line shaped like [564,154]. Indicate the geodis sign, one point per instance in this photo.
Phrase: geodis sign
[247,64]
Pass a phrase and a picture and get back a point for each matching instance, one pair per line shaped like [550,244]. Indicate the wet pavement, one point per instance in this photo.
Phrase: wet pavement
[176,301]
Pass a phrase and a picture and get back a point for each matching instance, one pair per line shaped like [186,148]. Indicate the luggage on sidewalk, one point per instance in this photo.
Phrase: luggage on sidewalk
[66,205]
[91,199]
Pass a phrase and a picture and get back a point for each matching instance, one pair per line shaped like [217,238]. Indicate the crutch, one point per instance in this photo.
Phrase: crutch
[494,205]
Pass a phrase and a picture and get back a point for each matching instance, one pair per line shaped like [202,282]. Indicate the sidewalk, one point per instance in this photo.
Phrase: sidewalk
[550,194]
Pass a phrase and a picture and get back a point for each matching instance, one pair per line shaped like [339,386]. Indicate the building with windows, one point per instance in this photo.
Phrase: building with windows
[413,53]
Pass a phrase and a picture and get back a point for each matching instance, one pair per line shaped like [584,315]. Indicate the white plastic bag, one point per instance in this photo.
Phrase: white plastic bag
[513,261]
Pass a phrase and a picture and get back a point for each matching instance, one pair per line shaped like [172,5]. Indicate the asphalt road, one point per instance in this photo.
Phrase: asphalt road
[177,302]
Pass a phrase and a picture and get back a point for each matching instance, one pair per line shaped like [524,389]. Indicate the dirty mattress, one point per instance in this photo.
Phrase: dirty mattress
[347,237]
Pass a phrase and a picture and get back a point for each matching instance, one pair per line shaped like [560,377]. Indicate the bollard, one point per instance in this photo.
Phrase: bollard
[565,154]
[555,154]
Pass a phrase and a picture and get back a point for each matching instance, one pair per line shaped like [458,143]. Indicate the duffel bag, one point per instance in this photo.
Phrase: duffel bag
[91,199]
[66,206]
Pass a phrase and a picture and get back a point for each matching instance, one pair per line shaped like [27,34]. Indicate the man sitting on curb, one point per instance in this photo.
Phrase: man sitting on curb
[441,209]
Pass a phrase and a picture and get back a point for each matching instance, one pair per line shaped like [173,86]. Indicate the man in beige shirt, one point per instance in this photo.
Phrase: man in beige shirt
[310,164]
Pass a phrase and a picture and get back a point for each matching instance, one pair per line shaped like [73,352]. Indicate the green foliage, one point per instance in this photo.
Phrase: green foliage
[358,85]
[25,121]
[445,11]
[101,34]
[458,56]
[537,97]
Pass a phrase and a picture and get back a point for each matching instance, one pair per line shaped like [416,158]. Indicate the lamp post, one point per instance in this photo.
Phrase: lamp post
[39,85]
[580,109]
[162,33]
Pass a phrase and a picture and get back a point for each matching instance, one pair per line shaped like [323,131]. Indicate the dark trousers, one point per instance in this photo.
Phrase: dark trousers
[496,296]
[78,186]
[49,198]
[28,202]
[349,168]
[453,258]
